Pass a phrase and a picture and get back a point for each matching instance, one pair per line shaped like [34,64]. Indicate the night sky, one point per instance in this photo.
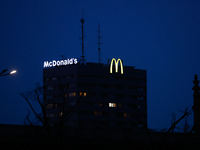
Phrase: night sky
[162,37]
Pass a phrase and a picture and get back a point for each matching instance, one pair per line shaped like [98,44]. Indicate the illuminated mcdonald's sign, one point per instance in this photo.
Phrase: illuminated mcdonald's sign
[116,65]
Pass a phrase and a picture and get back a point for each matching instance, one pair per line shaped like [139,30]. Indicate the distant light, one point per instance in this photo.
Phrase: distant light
[14,71]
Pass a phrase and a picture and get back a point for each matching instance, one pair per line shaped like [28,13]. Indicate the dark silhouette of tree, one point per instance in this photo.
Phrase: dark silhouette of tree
[53,133]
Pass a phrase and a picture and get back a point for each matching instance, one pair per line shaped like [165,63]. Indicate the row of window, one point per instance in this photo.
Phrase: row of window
[115,114]
[72,94]
[92,94]
[118,105]
[92,85]
[116,86]
[51,115]
[96,77]
[99,113]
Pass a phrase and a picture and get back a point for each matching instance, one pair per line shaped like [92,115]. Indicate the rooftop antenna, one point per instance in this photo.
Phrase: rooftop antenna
[99,44]
[82,60]
[63,57]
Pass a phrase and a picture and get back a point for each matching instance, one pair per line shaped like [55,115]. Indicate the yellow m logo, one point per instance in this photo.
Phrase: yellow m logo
[116,65]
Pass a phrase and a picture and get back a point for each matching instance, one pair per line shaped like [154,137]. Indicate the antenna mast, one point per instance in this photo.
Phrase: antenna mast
[99,44]
[82,60]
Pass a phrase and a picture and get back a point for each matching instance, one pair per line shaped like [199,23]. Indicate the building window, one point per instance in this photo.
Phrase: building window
[112,96]
[49,106]
[113,114]
[60,114]
[83,94]
[49,96]
[72,85]
[126,115]
[98,113]
[105,95]
[140,98]
[112,123]
[98,104]
[120,105]
[140,89]
[138,106]
[72,94]
[50,115]
[119,96]
[54,78]
[112,105]
[50,87]
[72,103]
[67,76]
[140,125]
[72,122]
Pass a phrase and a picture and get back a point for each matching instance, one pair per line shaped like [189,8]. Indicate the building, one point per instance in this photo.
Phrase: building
[103,95]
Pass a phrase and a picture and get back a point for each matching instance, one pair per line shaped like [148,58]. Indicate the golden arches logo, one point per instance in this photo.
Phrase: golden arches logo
[116,65]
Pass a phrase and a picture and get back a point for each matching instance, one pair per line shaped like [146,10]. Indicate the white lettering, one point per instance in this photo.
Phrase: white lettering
[50,64]
[46,64]
[65,62]
[71,61]
[68,61]
[60,62]
[75,61]
[54,63]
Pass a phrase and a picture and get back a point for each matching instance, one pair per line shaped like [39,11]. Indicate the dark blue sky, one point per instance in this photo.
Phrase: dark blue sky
[162,37]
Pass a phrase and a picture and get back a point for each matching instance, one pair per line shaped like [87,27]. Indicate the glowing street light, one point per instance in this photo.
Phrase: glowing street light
[5,74]
[14,71]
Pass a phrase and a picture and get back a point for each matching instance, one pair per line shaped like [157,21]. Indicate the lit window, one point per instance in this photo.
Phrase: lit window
[112,105]
[98,104]
[125,115]
[138,106]
[83,94]
[61,113]
[98,113]
[72,94]
[49,106]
